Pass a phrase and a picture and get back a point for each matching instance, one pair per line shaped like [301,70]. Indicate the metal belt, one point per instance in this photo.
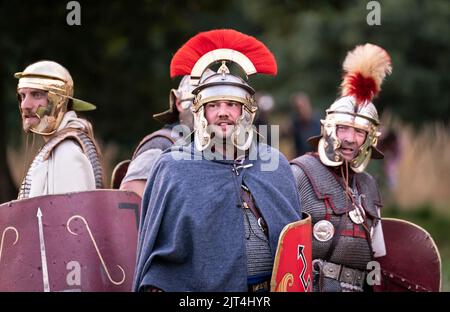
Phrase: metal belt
[341,273]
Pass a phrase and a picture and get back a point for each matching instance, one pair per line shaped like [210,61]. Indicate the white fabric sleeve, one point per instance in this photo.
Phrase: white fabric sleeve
[69,170]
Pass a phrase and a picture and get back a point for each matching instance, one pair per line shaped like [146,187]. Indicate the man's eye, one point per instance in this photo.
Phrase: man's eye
[38,95]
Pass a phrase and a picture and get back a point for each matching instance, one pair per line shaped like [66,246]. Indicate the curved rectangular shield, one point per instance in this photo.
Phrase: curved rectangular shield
[412,261]
[82,241]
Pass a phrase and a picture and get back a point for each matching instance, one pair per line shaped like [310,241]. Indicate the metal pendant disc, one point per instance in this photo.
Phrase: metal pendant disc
[356,216]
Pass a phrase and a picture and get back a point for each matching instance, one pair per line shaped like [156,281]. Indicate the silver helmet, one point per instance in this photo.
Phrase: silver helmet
[224,86]
[223,46]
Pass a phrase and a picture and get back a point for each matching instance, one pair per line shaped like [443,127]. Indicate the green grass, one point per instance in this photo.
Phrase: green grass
[434,223]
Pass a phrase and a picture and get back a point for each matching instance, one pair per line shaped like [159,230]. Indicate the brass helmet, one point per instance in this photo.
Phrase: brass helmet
[56,80]
[365,68]
[223,47]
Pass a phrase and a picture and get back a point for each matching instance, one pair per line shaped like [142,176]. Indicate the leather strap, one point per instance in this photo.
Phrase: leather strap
[164,133]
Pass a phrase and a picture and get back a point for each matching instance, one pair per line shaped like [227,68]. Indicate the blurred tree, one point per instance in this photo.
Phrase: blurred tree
[7,188]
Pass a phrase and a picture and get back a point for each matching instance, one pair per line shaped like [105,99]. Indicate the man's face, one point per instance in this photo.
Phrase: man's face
[222,116]
[30,100]
[351,140]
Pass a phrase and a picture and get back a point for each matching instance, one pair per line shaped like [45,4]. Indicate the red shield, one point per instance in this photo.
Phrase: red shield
[412,261]
[293,259]
[71,242]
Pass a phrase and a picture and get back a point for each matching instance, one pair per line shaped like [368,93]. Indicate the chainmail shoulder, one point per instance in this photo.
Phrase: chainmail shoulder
[316,184]
[323,183]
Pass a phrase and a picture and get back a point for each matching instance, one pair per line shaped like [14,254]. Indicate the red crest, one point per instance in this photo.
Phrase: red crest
[185,58]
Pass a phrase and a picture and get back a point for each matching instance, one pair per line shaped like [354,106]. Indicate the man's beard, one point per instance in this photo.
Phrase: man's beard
[27,123]
[219,135]
[221,144]
[43,118]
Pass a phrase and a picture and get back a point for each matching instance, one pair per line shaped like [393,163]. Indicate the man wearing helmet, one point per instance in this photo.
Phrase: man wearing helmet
[212,213]
[342,199]
[178,115]
[69,159]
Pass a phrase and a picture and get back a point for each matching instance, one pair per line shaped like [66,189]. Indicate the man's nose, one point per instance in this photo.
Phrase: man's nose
[26,103]
[223,111]
[350,135]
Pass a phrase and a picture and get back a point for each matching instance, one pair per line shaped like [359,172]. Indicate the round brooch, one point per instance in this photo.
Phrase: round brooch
[323,230]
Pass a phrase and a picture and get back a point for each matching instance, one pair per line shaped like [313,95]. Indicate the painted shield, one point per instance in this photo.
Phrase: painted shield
[82,241]
[412,261]
[293,259]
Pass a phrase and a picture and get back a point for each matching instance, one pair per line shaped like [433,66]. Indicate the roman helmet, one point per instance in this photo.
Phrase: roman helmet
[185,96]
[223,47]
[56,80]
[365,67]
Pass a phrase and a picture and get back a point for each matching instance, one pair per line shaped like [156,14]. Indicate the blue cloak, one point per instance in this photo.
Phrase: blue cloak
[191,233]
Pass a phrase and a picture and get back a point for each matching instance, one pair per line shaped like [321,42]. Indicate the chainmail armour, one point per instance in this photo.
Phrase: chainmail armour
[316,185]
[259,257]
